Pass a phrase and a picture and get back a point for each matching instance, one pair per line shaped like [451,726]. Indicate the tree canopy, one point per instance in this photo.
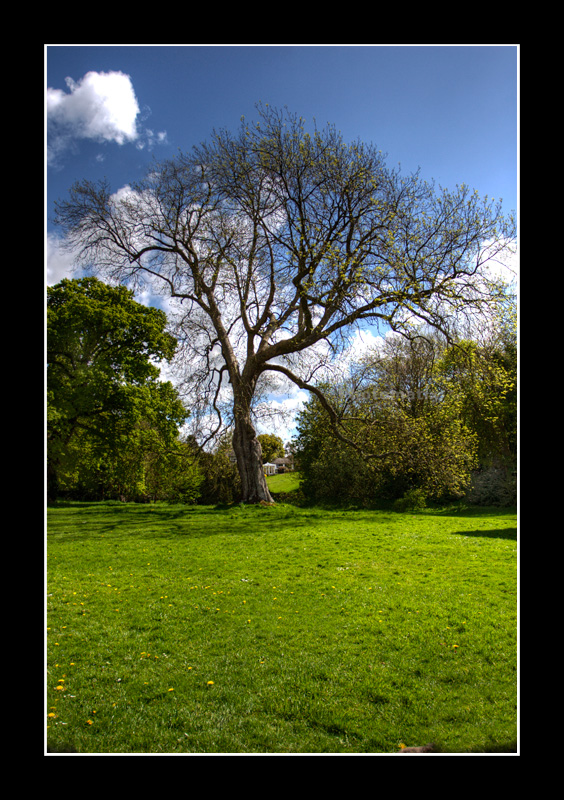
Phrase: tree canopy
[441,416]
[103,382]
[276,242]
[272,446]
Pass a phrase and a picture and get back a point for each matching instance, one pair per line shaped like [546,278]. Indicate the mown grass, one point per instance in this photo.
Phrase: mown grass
[175,629]
[285,482]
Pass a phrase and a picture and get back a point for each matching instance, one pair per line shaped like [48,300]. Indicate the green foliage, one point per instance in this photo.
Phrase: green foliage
[484,374]
[430,450]
[221,483]
[486,380]
[305,237]
[112,425]
[425,417]
[433,453]
[413,500]
[272,447]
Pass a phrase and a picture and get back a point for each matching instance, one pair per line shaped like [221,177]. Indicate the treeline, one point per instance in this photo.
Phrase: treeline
[425,421]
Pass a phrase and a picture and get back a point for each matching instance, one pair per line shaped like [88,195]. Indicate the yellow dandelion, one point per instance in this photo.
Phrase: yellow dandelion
[210,683]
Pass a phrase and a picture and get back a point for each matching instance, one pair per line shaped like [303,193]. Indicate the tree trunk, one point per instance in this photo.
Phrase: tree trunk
[249,460]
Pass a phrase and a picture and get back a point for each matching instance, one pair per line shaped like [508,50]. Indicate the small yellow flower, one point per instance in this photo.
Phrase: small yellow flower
[51,714]
[210,683]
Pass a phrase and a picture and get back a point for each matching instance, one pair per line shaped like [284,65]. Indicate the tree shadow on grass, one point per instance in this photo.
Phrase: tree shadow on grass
[96,519]
[194,521]
[494,533]
[465,510]
[116,520]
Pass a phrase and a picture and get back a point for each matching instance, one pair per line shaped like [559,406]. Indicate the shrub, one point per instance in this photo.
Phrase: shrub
[412,500]
[221,483]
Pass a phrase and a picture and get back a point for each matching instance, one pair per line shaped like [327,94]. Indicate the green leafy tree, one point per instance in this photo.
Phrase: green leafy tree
[402,411]
[484,374]
[434,453]
[276,242]
[102,379]
[272,446]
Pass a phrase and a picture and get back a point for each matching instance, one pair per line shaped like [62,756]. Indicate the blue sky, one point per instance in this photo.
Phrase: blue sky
[111,109]
[451,110]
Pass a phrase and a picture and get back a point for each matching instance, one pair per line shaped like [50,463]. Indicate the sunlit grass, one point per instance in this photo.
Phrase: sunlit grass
[279,630]
[285,482]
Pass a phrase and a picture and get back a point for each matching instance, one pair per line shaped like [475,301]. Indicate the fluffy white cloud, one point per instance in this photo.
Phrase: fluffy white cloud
[59,262]
[101,107]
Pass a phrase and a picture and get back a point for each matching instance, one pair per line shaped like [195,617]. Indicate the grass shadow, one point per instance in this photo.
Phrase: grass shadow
[465,510]
[114,519]
[494,533]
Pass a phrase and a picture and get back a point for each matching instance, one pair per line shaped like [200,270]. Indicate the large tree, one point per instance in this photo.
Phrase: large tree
[404,410]
[102,375]
[277,242]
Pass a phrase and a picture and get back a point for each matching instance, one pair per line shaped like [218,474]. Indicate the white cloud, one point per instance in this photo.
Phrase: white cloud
[363,341]
[101,106]
[283,411]
[59,262]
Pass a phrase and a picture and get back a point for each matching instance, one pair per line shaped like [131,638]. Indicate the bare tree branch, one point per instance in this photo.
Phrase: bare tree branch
[280,240]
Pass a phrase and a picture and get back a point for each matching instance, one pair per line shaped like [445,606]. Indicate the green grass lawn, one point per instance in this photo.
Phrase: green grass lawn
[284,483]
[178,629]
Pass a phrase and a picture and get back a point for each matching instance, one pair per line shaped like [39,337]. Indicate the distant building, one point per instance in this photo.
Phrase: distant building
[279,465]
[284,464]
